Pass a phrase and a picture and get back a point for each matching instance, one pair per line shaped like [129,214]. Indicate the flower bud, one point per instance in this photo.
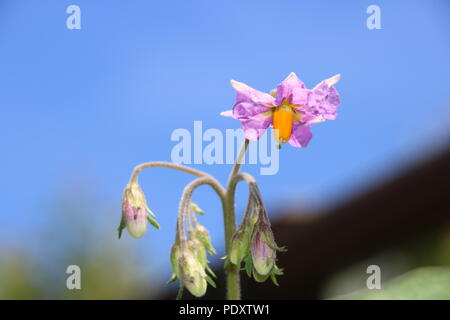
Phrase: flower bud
[192,274]
[240,244]
[263,251]
[198,249]
[202,234]
[135,211]
[135,219]
[196,208]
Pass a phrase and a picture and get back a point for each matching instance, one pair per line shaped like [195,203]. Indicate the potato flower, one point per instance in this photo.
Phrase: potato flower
[290,109]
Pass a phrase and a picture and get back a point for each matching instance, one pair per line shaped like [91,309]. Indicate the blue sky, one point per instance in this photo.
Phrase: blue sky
[83,107]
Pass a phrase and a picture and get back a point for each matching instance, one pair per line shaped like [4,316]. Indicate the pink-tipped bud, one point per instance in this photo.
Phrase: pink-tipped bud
[263,255]
[135,219]
[135,212]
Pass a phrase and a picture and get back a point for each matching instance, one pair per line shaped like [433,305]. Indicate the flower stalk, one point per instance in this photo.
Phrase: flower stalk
[232,271]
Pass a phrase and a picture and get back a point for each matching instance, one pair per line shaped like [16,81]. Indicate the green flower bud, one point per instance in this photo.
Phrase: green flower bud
[192,274]
[240,244]
[198,249]
[201,233]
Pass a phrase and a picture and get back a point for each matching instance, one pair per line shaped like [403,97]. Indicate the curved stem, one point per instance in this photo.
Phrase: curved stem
[180,235]
[232,271]
[169,165]
[185,202]
[252,186]
[239,177]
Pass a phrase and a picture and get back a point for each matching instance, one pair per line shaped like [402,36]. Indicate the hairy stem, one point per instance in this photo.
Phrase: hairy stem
[184,207]
[252,186]
[207,179]
[169,165]
[232,271]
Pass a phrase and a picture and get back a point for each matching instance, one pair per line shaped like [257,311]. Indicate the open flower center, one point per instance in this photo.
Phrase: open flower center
[283,118]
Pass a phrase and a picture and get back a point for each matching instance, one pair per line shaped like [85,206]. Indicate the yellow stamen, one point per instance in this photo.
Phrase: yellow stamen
[283,116]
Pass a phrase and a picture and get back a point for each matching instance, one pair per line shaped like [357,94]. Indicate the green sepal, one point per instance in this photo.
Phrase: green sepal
[121,227]
[180,292]
[210,271]
[172,278]
[277,271]
[271,242]
[149,211]
[274,279]
[211,251]
[201,234]
[210,281]
[240,243]
[248,265]
[227,263]
[153,222]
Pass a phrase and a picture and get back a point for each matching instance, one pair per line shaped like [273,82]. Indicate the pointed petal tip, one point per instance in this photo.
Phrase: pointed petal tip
[333,80]
[238,86]
[293,80]
[292,76]
[228,113]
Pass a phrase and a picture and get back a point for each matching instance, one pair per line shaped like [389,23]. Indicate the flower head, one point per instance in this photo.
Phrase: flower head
[135,212]
[291,109]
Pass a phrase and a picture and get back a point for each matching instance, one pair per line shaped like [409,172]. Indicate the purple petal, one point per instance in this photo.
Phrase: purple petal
[246,110]
[287,88]
[250,102]
[300,96]
[300,136]
[255,127]
[323,100]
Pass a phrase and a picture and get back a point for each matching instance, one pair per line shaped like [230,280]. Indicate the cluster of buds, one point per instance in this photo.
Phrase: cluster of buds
[135,211]
[253,242]
[189,257]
